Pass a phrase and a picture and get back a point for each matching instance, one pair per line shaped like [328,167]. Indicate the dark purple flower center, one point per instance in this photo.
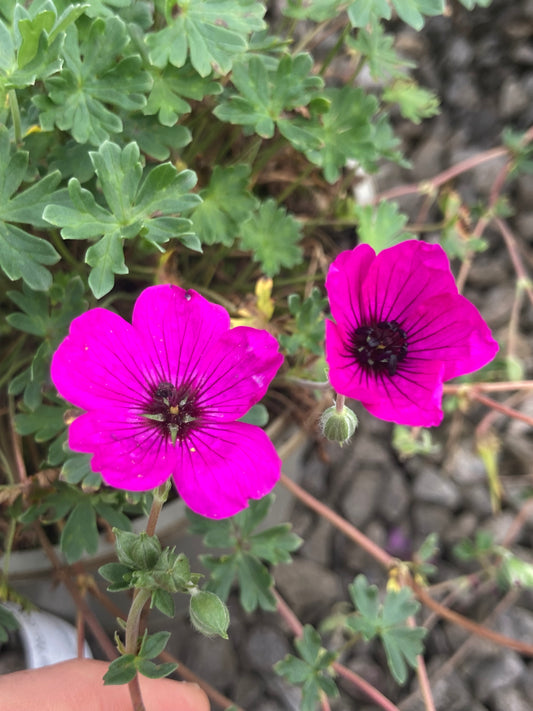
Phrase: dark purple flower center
[379,347]
[173,410]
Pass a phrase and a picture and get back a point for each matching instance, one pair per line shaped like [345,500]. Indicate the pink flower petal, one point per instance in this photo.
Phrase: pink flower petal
[223,466]
[236,372]
[128,454]
[401,328]
[159,393]
[100,362]
[177,327]
[451,330]
[345,293]
[412,398]
[402,276]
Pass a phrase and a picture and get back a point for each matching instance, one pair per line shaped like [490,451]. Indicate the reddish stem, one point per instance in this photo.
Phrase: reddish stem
[500,407]
[90,618]
[444,177]
[388,561]
[452,616]
[488,387]
[350,531]
[510,243]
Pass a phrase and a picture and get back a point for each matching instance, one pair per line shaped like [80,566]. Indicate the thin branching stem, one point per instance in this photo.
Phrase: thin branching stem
[500,407]
[387,561]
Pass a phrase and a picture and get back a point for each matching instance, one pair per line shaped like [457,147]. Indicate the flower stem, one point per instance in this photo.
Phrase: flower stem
[489,402]
[15,116]
[160,496]
[488,387]
[140,598]
[339,403]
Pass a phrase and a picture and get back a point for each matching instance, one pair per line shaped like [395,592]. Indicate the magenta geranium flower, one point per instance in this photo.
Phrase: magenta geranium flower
[163,395]
[401,329]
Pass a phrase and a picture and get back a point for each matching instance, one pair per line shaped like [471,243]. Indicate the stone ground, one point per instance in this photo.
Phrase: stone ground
[481,65]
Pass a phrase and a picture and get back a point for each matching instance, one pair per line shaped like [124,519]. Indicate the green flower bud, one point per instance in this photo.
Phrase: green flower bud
[209,615]
[139,551]
[338,426]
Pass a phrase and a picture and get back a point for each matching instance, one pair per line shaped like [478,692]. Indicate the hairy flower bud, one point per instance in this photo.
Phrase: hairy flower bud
[209,615]
[338,426]
[138,551]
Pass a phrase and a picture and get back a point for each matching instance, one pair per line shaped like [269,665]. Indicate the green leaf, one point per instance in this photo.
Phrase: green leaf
[346,131]
[48,319]
[515,571]
[121,670]
[478,549]
[317,10]
[113,515]
[148,208]
[415,102]
[211,32]
[388,621]
[95,75]
[118,574]
[44,423]
[402,647]
[223,571]
[272,235]
[250,518]
[226,204]
[412,11]
[34,27]
[255,584]
[76,468]
[170,86]
[218,533]
[237,532]
[8,623]
[107,259]
[153,644]
[378,49]
[119,171]
[155,140]
[155,671]
[256,415]
[164,602]
[365,12]
[265,95]
[307,328]
[380,226]
[312,672]
[21,253]
[29,50]
[80,532]
[470,4]
[106,8]
[275,544]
